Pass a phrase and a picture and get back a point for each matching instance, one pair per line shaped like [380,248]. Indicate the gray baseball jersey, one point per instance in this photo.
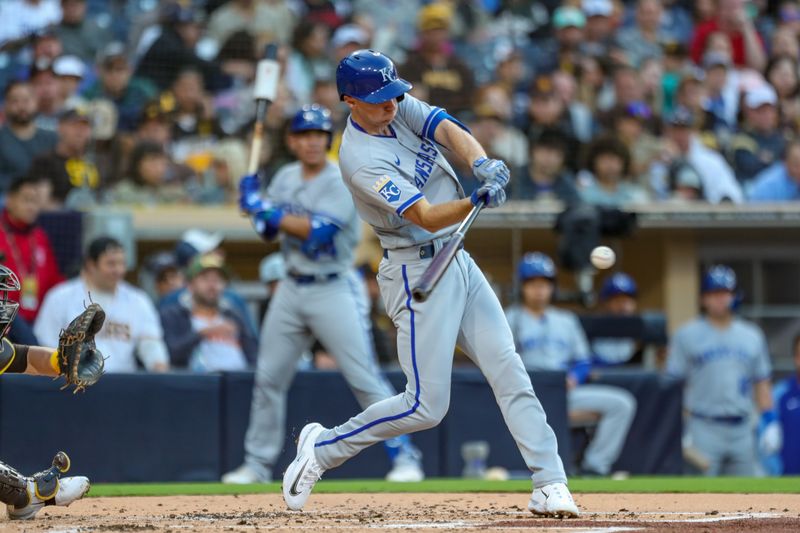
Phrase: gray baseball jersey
[386,175]
[333,311]
[553,342]
[325,196]
[720,366]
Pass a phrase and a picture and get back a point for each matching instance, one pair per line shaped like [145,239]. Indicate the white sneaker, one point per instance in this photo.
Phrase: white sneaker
[245,475]
[304,472]
[69,489]
[406,471]
[553,500]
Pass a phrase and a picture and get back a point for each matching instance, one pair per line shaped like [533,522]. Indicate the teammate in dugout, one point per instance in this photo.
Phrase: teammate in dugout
[406,190]
[307,206]
[25,496]
[553,339]
[725,362]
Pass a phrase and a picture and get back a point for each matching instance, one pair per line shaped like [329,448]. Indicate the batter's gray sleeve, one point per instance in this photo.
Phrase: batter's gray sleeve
[378,189]
[420,117]
[677,356]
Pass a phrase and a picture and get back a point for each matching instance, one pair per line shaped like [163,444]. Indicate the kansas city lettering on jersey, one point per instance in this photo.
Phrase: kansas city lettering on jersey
[719,352]
[423,166]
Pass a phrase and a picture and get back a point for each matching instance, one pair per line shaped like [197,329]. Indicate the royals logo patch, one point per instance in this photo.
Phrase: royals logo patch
[387,189]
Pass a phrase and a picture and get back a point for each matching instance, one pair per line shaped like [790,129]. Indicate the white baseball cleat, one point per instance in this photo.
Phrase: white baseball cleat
[553,500]
[406,470]
[245,475]
[304,472]
[69,489]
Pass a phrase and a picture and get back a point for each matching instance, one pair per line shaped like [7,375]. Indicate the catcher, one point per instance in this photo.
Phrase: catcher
[81,364]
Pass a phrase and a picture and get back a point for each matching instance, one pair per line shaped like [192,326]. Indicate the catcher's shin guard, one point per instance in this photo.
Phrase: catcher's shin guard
[13,487]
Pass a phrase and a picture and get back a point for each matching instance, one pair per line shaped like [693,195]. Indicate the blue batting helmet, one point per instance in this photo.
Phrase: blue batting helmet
[369,76]
[312,117]
[536,265]
[719,278]
[619,283]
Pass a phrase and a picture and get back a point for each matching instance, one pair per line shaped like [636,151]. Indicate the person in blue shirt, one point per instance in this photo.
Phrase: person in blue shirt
[779,182]
[787,405]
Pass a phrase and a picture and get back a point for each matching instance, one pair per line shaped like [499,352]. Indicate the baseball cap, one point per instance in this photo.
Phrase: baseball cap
[567,17]
[597,8]
[681,117]
[69,66]
[542,86]
[202,241]
[349,33]
[762,95]
[716,59]
[434,16]
[112,51]
[203,263]
[77,112]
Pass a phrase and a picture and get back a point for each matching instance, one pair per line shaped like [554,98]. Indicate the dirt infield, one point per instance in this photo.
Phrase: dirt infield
[420,512]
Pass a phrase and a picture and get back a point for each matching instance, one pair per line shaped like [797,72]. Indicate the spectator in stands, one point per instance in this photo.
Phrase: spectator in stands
[787,406]
[682,146]
[308,61]
[721,97]
[644,40]
[779,182]
[69,71]
[20,139]
[606,179]
[266,20]
[131,328]
[618,297]
[25,247]
[599,28]
[217,185]
[203,334]
[396,20]
[128,93]
[733,21]
[439,76]
[71,174]
[760,143]
[563,50]
[548,338]
[161,275]
[547,111]
[346,40]
[784,43]
[174,49]
[81,36]
[47,92]
[631,125]
[580,116]
[148,180]
[783,74]
[547,177]
[24,18]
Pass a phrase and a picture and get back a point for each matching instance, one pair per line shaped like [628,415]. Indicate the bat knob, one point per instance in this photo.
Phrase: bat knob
[419,295]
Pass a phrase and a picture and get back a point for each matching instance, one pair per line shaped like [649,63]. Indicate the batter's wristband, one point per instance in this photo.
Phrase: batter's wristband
[54,364]
[768,417]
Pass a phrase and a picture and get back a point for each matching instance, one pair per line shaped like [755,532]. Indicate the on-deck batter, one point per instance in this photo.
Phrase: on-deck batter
[322,297]
[405,188]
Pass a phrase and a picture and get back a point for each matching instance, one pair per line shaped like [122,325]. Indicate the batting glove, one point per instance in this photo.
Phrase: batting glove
[250,200]
[486,169]
[491,192]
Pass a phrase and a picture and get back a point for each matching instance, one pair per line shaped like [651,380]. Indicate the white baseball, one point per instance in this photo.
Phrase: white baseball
[603,257]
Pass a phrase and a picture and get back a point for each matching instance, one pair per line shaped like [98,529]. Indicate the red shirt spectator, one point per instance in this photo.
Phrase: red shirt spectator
[26,247]
[747,46]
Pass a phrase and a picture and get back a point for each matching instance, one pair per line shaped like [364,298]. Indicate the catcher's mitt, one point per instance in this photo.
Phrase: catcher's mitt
[81,363]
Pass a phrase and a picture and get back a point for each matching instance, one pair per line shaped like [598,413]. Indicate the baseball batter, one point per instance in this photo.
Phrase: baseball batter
[322,297]
[403,186]
[548,338]
[24,496]
[725,362]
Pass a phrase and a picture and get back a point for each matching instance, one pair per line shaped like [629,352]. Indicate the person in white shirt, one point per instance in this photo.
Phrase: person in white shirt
[132,327]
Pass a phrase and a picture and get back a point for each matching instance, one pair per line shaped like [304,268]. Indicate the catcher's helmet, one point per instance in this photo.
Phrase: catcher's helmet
[312,117]
[369,76]
[536,265]
[619,283]
[8,308]
[719,278]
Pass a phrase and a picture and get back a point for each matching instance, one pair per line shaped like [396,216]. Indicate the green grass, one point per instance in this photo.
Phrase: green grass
[636,484]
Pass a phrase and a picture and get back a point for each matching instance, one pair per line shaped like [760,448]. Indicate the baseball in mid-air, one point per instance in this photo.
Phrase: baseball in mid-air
[603,257]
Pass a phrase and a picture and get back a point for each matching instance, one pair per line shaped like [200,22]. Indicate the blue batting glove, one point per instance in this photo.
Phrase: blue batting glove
[267,221]
[250,194]
[486,169]
[491,192]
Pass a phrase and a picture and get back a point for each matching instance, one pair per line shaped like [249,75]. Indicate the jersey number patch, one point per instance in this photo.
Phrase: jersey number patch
[387,189]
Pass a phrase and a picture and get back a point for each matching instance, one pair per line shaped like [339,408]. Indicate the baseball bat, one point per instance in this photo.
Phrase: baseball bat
[427,282]
[266,87]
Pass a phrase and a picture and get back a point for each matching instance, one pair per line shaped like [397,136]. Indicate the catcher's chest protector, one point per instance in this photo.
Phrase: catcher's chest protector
[13,486]
[6,355]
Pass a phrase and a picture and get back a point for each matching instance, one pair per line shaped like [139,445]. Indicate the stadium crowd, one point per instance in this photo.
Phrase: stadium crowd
[141,103]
